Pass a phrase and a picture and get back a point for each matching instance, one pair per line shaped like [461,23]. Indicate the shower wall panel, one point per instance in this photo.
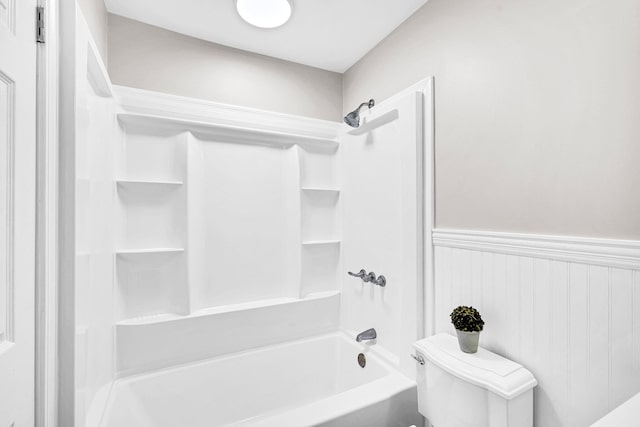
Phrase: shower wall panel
[96,134]
[250,232]
[223,224]
[382,221]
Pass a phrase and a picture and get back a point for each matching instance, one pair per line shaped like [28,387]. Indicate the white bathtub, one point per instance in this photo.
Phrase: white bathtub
[309,382]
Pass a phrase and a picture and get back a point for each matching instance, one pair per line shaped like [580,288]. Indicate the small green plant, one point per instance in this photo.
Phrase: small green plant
[467,319]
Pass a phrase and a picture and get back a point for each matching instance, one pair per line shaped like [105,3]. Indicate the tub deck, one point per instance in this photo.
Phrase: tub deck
[308,382]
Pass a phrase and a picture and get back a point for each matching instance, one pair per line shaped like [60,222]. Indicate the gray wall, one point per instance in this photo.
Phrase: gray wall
[95,13]
[537,110]
[148,57]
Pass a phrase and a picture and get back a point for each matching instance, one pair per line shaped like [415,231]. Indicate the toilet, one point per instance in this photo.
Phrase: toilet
[483,389]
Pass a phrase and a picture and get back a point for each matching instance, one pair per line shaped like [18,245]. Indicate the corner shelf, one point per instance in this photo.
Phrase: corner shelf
[317,189]
[320,242]
[149,251]
[144,183]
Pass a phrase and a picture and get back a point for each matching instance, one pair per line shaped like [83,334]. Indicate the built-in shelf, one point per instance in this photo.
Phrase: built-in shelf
[321,242]
[230,133]
[145,183]
[230,308]
[317,189]
[149,251]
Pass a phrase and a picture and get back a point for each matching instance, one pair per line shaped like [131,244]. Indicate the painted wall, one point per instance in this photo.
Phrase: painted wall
[95,13]
[537,111]
[148,57]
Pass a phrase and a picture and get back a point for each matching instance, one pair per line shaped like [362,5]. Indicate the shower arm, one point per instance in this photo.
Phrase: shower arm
[369,104]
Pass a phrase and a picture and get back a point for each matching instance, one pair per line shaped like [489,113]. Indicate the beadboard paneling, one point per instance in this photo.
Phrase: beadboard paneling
[575,325]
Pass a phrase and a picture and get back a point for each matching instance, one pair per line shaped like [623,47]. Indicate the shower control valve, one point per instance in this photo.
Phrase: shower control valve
[370,277]
[359,274]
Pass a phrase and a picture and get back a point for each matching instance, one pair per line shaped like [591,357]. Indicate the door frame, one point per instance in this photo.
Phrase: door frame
[47,184]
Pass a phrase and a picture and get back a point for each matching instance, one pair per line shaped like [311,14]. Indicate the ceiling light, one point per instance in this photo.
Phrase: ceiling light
[264,13]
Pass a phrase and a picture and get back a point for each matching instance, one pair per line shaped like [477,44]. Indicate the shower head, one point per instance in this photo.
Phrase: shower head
[353,118]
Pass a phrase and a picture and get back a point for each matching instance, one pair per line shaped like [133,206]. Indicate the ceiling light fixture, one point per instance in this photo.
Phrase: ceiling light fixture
[264,13]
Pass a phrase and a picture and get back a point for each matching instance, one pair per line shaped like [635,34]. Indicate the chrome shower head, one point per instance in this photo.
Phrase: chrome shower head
[353,118]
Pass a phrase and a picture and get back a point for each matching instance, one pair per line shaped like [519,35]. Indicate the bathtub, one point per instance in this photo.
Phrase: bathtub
[310,382]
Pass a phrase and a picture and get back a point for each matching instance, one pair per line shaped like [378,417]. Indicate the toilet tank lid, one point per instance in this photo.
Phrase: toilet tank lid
[485,369]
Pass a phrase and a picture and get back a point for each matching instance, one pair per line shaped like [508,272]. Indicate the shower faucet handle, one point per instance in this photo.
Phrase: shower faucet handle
[361,274]
[370,277]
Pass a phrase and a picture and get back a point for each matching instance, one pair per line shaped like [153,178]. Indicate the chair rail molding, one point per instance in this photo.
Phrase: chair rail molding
[585,250]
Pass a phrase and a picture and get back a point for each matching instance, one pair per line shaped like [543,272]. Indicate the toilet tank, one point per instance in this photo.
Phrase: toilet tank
[483,389]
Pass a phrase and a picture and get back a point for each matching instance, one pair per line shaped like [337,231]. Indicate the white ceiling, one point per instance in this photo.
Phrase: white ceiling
[328,34]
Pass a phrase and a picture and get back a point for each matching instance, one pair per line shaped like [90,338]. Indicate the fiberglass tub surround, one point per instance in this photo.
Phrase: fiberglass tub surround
[230,234]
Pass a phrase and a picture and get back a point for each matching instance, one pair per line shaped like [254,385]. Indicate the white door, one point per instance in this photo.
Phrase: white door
[382,224]
[17,210]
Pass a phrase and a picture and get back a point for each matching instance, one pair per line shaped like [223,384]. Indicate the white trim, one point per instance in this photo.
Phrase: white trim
[426,87]
[191,109]
[429,201]
[46,304]
[584,250]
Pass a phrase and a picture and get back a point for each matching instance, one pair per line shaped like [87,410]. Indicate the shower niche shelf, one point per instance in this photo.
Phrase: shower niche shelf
[319,215]
[152,283]
[151,216]
[319,220]
[144,185]
[321,243]
[318,169]
[151,192]
[320,267]
[312,190]
[152,157]
[149,251]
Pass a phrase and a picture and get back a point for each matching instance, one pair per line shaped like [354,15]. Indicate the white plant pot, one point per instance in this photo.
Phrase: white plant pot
[468,341]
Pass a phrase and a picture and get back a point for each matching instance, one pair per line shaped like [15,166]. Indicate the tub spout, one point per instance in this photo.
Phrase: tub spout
[369,334]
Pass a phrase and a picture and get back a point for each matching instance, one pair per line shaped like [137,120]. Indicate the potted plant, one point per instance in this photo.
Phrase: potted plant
[468,324]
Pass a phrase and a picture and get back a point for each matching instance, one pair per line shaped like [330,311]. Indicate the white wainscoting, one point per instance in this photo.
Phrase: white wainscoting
[566,308]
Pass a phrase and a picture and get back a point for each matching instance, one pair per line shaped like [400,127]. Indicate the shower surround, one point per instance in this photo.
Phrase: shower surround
[212,240]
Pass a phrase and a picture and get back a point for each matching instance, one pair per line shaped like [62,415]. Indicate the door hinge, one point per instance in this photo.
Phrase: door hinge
[40,27]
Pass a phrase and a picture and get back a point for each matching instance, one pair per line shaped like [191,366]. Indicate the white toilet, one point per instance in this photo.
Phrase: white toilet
[457,389]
